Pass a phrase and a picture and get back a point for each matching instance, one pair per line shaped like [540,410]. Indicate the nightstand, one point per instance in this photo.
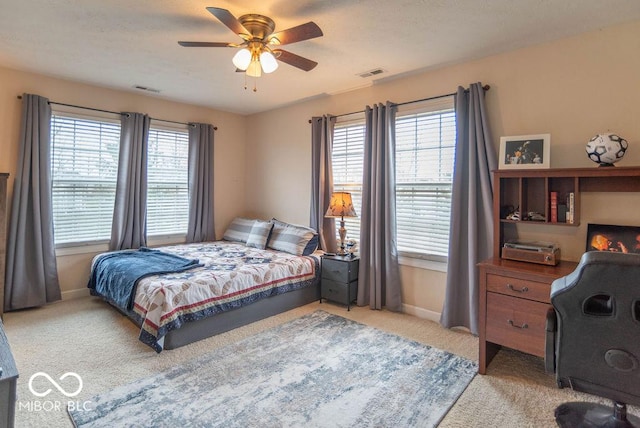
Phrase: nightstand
[339,280]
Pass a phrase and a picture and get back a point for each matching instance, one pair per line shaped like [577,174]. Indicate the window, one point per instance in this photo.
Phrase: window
[347,159]
[84,168]
[425,147]
[167,187]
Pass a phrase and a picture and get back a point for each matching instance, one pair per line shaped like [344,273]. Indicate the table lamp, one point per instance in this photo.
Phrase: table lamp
[341,206]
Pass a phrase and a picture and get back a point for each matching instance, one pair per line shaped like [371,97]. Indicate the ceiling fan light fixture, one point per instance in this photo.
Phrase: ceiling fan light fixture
[268,62]
[242,59]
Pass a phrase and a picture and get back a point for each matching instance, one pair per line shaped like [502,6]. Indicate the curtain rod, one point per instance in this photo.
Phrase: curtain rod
[114,112]
[485,87]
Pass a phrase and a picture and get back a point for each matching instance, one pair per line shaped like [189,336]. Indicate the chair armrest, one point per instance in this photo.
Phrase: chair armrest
[550,342]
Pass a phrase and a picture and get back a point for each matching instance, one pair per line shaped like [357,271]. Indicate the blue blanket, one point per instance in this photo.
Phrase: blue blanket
[116,275]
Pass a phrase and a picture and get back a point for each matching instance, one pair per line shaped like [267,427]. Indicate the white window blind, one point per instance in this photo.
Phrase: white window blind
[425,147]
[347,161]
[84,166]
[167,177]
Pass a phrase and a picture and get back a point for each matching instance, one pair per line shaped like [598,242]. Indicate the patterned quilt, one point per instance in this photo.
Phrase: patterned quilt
[233,275]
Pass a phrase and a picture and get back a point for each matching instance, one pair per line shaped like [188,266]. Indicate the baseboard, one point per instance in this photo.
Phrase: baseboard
[421,312]
[75,294]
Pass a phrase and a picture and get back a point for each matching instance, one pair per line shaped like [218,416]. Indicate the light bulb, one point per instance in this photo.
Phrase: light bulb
[254,69]
[242,59]
[268,61]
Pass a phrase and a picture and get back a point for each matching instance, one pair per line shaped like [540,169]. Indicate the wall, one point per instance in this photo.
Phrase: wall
[229,152]
[572,89]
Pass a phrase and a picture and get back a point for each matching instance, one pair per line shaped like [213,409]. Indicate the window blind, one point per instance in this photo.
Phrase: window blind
[84,167]
[347,161]
[167,178]
[425,148]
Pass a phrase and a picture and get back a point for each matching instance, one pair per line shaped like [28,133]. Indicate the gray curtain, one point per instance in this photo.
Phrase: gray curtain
[31,277]
[379,275]
[201,222]
[471,230]
[322,180]
[129,227]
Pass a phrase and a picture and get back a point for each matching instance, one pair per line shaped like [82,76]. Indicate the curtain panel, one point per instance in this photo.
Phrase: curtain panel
[129,227]
[322,181]
[379,274]
[31,277]
[471,229]
[201,219]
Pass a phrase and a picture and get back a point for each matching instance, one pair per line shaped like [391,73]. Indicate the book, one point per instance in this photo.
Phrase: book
[553,207]
[571,210]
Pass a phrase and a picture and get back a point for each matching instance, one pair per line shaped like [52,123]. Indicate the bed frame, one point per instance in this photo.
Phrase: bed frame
[197,330]
[204,328]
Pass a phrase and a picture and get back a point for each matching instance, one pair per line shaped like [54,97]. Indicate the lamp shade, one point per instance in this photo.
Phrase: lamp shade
[268,61]
[242,59]
[341,205]
[254,69]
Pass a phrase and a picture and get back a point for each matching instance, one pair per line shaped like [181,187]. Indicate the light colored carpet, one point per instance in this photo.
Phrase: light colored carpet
[88,337]
[319,370]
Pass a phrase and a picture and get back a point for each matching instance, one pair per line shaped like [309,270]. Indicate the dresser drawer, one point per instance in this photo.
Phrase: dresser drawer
[339,270]
[339,291]
[532,290]
[516,323]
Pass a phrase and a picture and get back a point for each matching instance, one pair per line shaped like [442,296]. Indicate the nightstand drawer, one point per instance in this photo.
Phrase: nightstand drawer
[340,270]
[516,323]
[339,291]
[517,287]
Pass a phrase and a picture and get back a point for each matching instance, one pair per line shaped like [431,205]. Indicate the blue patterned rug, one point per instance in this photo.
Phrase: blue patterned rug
[320,370]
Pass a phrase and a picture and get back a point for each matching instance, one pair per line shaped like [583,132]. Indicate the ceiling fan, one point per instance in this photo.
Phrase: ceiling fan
[258,53]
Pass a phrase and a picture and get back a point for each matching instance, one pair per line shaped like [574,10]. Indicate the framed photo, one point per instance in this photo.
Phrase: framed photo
[525,152]
[618,239]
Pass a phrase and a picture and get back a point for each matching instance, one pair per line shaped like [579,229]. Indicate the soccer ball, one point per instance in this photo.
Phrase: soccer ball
[606,149]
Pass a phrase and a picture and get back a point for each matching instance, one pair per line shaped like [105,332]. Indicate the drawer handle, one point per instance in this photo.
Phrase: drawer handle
[522,290]
[523,326]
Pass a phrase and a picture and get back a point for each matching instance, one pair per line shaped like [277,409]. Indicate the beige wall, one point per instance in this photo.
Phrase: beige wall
[572,89]
[229,143]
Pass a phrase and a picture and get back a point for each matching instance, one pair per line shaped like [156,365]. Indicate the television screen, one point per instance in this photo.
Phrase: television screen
[619,239]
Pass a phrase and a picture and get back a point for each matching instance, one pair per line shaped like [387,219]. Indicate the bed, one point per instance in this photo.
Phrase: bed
[219,286]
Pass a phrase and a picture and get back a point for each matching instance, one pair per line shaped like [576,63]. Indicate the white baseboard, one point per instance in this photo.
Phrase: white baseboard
[75,294]
[421,312]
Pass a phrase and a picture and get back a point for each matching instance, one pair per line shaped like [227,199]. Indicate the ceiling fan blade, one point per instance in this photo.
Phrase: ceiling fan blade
[207,45]
[295,34]
[295,60]
[229,20]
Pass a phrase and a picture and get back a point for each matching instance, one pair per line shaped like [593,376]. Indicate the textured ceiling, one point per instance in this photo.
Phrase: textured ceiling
[123,43]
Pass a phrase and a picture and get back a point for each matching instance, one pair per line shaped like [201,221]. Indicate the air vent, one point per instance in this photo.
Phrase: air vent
[371,72]
[145,88]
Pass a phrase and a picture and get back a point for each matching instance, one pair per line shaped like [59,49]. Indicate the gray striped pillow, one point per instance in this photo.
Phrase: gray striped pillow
[259,234]
[290,238]
[239,230]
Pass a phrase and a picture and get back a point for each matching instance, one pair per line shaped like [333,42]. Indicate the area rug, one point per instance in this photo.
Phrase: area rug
[320,370]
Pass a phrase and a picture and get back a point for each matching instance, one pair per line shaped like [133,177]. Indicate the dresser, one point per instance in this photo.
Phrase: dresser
[514,301]
[8,380]
[3,234]
[339,279]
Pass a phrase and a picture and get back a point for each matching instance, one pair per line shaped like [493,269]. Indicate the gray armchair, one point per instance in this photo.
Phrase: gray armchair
[593,338]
